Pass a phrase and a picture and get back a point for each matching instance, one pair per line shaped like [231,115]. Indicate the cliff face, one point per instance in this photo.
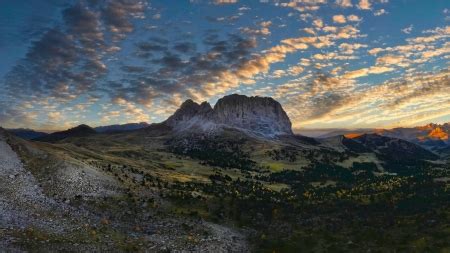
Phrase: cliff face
[258,115]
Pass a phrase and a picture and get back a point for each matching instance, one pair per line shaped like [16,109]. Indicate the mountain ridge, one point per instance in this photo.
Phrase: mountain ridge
[82,130]
[27,134]
[121,127]
[261,116]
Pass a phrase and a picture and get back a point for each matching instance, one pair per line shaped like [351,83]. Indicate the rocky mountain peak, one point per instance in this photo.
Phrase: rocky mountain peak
[262,115]
[188,104]
[205,107]
[187,110]
[259,115]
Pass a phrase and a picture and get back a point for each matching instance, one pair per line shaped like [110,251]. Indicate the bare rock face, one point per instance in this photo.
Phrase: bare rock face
[257,115]
[190,115]
[262,115]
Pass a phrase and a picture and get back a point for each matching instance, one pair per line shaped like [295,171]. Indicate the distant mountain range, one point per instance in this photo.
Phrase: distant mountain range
[257,116]
[432,136]
[392,148]
[239,157]
[79,131]
[30,134]
[27,134]
[121,128]
[257,119]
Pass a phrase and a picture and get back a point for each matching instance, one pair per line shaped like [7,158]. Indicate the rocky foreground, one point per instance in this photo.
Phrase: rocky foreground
[34,218]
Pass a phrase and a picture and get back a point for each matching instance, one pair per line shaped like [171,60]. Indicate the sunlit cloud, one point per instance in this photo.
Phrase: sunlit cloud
[109,62]
[339,19]
[364,4]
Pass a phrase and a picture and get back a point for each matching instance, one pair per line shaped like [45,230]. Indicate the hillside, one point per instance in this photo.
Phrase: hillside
[121,128]
[79,131]
[227,188]
[27,134]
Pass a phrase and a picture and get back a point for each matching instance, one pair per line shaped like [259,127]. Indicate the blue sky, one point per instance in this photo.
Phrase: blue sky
[330,63]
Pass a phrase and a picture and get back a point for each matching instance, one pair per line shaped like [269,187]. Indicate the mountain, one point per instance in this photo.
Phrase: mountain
[192,116]
[392,149]
[79,131]
[260,116]
[213,179]
[27,134]
[121,128]
[337,132]
[434,137]
[431,136]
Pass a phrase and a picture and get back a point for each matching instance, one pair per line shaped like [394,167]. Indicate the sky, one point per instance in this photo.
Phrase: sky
[330,63]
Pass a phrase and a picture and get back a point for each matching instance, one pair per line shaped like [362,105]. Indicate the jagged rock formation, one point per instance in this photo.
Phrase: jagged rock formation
[191,114]
[257,115]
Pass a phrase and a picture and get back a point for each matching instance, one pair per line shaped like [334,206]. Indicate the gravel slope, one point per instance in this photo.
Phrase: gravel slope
[24,205]
[21,199]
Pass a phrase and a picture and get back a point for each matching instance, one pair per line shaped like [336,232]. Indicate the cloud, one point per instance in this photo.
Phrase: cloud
[364,5]
[347,32]
[348,48]
[367,71]
[405,101]
[398,60]
[185,47]
[309,31]
[408,29]
[263,30]
[54,116]
[225,64]
[339,19]
[72,54]
[66,62]
[117,15]
[375,51]
[225,1]
[437,52]
[81,59]
[279,73]
[291,71]
[303,5]
[380,12]
[318,23]
[353,18]
[295,70]
[344,3]
[319,96]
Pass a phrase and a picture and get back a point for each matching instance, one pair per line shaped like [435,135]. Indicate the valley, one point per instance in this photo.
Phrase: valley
[178,188]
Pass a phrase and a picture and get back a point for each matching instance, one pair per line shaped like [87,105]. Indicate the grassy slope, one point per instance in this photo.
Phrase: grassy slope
[134,154]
